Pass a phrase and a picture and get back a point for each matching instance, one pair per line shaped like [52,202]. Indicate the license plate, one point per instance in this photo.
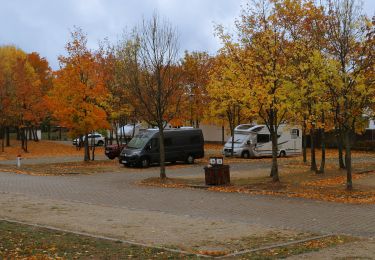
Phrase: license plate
[124,161]
[106,151]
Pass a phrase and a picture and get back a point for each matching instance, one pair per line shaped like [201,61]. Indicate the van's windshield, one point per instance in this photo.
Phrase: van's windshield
[139,141]
[238,138]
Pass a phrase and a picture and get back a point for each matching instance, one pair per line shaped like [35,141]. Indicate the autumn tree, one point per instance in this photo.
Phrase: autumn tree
[79,95]
[350,43]
[45,76]
[21,92]
[196,67]
[28,106]
[227,96]
[305,25]
[154,76]
[265,67]
[9,55]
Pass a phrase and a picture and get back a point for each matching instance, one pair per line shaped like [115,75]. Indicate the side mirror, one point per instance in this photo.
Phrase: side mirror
[248,142]
[148,147]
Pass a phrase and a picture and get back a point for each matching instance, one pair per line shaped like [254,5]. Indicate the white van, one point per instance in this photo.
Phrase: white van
[251,140]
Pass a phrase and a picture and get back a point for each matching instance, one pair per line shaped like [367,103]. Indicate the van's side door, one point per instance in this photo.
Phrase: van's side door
[154,150]
[169,147]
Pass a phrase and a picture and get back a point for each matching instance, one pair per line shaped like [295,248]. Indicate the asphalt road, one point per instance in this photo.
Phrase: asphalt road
[121,190]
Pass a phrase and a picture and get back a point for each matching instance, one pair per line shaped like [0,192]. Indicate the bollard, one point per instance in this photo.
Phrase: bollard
[19,161]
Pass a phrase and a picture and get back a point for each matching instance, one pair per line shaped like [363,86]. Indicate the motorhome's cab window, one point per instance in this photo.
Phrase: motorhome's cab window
[263,138]
[238,138]
[258,128]
[294,133]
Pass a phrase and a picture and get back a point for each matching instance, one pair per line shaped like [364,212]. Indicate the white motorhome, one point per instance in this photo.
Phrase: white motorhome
[251,140]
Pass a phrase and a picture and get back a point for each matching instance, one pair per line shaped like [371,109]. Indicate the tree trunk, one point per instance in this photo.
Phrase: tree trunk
[30,133]
[312,148]
[86,157]
[222,135]
[323,162]
[7,136]
[133,133]
[274,169]
[304,141]
[163,175]
[49,132]
[19,134]
[232,146]
[2,138]
[348,160]
[93,149]
[116,135]
[26,148]
[304,147]
[340,142]
[24,139]
[36,139]
[110,137]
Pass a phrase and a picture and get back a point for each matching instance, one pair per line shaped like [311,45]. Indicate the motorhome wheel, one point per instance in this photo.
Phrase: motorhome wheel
[246,155]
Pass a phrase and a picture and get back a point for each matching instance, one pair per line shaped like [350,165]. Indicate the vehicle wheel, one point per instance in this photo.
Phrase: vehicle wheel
[111,157]
[282,154]
[100,143]
[190,159]
[145,162]
[246,155]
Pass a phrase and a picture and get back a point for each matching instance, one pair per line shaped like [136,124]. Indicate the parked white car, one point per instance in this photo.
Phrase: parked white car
[94,139]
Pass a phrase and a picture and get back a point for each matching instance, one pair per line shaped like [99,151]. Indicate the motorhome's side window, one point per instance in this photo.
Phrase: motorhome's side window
[263,138]
[294,133]
[168,141]
[195,139]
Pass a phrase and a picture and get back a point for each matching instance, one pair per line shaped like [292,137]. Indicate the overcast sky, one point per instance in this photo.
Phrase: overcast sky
[44,25]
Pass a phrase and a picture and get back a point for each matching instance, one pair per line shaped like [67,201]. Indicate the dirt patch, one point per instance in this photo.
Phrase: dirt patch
[192,234]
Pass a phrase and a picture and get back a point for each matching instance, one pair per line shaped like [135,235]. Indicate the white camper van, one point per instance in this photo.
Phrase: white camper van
[255,141]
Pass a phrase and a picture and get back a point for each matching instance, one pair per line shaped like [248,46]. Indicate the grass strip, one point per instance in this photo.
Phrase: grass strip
[20,240]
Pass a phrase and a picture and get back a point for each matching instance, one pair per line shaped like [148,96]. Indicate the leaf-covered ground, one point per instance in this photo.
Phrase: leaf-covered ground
[27,242]
[42,148]
[19,241]
[297,180]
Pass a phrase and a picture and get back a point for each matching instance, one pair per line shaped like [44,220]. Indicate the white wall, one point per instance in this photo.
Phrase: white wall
[213,133]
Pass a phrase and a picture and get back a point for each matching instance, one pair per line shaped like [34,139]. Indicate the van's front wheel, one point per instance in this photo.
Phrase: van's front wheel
[145,162]
[190,159]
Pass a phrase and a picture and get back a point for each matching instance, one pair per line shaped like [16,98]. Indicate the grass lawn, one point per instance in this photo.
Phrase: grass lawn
[22,241]
[29,242]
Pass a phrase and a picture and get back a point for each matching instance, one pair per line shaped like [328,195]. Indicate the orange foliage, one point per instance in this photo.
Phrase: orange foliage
[79,93]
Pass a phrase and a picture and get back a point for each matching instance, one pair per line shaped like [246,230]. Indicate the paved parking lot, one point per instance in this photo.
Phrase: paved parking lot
[121,190]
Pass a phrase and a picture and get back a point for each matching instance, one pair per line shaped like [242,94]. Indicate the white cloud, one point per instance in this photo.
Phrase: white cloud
[44,26]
